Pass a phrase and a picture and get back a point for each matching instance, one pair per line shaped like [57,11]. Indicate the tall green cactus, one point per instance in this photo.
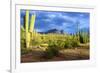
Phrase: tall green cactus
[26,29]
[29,30]
[32,22]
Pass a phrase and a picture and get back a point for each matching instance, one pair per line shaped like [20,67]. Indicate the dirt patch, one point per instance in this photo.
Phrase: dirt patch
[64,55]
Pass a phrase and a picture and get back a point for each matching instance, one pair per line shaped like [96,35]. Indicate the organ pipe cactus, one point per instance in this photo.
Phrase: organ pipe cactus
[29,30]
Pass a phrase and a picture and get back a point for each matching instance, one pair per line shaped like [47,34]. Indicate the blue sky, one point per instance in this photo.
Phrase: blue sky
[66,21]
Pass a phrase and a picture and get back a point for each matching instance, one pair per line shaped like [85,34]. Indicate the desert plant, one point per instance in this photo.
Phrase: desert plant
[27,34]
[25,51]
[75,43]
[51,52]
[29,30]
[68,44]
[84,37]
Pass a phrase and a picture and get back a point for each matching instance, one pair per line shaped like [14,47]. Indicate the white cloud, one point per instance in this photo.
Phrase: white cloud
[47,20]
[66,17]
[32,12]
[62,16]
[39,30]
[64,25]
[52,15]
[81,15]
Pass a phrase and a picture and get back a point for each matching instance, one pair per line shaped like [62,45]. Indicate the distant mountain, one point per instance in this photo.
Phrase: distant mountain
[86,30]
[52,31]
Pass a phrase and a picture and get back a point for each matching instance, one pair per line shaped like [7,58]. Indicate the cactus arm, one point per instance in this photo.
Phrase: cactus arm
[26,29]
[31,29]
[32,22]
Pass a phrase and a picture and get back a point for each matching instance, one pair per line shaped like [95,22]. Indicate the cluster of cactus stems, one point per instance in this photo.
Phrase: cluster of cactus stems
[29,28]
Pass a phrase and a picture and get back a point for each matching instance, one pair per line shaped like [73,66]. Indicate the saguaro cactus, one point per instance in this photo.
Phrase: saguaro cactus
[29,30]
[26,29]
[32,22]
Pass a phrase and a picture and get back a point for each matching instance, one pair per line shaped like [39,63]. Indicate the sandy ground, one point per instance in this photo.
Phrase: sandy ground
[64,55]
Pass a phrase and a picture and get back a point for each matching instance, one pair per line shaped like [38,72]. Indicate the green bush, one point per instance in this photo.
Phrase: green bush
[71,43]
[57,43]
[23,44]
[75,43]
[60,43]
[25,51]
[51,51]
[68,44]
[36,40]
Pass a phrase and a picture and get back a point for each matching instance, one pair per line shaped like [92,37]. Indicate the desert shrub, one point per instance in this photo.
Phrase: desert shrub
[25,51]
[56,43]
[60,43]
[71,42]
[36,40]
[68,44]
[52,43]
[75,43]
[23,44]
[44,45]
[51,52]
